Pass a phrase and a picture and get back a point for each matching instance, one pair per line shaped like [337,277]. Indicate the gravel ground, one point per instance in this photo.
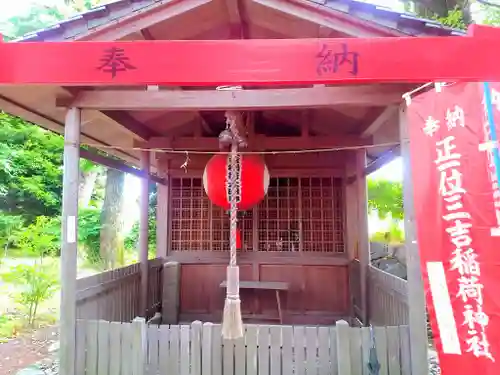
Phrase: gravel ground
[434,368]
[17,354]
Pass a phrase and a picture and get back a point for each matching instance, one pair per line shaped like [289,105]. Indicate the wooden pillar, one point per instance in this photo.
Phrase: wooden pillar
[171,293]
[350,235]
[162,212]
[350,206]
[362,229]
[69,248]
[143,230]
[416,293]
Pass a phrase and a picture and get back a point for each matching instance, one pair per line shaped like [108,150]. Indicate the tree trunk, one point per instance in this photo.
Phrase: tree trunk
[112,245]
[88,180]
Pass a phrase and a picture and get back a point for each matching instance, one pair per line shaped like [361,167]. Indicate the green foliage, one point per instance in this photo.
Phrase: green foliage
[87,165]
[82,5]
[386,198]
[454,19]
[133,237]
[9,226]
[31,162]
[30,169]
[89,229]
[10,326]
[38,17]
[42,238]
[38,283]
[395,235]
[42,15]
[452,13]
[491,15]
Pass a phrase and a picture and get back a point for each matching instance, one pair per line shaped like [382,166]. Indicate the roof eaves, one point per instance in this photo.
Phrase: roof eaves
[98,12]
[405,23]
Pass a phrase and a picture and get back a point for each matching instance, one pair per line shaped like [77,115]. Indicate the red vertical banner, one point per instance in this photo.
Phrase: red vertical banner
[455,193]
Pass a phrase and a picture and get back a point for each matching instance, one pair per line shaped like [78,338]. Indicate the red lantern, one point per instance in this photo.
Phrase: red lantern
[254,180]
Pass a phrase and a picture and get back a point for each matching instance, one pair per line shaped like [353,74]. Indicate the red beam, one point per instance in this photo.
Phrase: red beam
[279,61]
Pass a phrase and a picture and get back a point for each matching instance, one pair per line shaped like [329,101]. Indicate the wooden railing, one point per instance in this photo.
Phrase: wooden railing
[114,348]
[355,288]
[114,295]
[387,298]
[155,286]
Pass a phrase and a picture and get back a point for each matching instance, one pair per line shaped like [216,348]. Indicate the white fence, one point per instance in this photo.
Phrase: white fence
[114,348]
[388,298]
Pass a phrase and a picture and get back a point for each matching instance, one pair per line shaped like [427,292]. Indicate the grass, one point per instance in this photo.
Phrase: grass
[13,320]
[15,323]
[10,326]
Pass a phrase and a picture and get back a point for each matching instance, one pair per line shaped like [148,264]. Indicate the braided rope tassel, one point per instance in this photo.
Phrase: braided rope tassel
[234,195]
[232,325]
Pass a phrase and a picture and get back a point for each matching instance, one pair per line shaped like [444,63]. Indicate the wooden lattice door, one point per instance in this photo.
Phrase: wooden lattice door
[297,214]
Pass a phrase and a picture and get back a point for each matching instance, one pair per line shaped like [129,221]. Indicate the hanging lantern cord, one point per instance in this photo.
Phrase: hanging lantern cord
[234,192]
[232,325]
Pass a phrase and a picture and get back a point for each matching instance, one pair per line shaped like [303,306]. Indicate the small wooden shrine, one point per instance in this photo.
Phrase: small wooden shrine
[303,249]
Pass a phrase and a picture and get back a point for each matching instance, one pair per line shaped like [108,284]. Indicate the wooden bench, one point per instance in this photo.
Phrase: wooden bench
[278,287]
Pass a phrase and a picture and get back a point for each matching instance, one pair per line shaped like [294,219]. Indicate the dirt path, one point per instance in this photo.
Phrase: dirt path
[26,350]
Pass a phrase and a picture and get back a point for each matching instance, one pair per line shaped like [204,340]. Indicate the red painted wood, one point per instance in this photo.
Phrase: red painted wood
[200,290]
[201,295]
[278,61]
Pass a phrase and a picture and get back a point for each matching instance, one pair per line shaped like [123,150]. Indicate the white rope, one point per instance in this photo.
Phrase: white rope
[407,95]
[420,88]
[232,324]
[277,152]
[438,85]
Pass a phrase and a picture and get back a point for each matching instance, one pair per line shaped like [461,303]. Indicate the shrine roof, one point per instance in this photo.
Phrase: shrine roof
[406,23]
[217,20]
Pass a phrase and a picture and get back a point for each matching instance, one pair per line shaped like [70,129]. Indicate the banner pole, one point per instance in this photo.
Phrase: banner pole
[493,131]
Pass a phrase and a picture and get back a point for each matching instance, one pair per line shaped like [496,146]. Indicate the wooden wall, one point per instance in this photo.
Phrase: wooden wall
[319,280]
[308,300]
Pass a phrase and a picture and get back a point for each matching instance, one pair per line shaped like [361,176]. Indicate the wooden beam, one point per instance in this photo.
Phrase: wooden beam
[305,124]
[378,163]
[416,291]
[328,18]
[131,124]
[146,34]
[204,125]
[261,143]
[69,247]
[213,100]
[387,113]
[54,125]
[143,232]
[141,19]
[252,62]
[382,160]
[255,62]
[325,32]
[118,165]
[122,118]
[237,18]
